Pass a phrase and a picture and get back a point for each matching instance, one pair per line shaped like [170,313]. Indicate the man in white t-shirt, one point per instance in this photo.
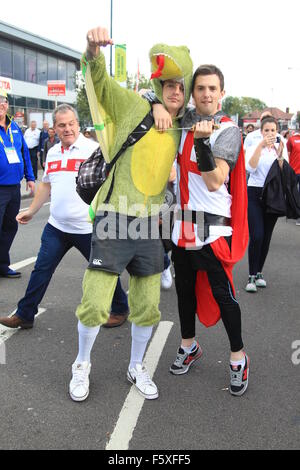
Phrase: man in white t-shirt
[32,139]
[67,226]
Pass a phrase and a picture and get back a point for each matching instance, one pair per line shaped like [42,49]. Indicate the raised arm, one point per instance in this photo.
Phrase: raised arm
[117,102]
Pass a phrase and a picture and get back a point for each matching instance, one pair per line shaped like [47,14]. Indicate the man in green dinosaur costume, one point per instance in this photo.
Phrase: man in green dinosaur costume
[128,203]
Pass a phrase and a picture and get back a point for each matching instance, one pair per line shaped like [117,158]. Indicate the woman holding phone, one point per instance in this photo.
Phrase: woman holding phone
[259,159]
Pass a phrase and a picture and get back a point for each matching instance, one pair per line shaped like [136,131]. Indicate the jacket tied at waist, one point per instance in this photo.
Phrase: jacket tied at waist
[280,195]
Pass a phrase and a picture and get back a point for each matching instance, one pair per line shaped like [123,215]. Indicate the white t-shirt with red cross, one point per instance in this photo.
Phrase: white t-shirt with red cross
[68,212]
[192,192]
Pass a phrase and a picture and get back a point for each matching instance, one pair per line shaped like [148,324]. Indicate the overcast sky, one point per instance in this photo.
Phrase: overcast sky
[254,42]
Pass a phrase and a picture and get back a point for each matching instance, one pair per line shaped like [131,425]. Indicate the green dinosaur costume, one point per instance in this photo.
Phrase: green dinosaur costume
[139,180]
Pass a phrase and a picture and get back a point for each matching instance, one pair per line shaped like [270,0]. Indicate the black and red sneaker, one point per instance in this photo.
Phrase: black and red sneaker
[239,377]
[184,360]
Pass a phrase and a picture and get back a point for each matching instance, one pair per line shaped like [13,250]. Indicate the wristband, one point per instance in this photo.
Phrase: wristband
[204,155]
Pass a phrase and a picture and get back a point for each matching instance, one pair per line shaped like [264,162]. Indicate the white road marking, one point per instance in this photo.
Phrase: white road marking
[26,208]
[6,333]
[23,264]
[130,412]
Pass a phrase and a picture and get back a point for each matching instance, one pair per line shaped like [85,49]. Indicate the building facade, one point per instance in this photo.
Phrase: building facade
[284,118]
[27,63]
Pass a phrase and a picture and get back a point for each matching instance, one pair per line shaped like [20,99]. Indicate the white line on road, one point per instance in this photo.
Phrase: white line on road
[130,412]
[26,208]
[23,264]
[6,333]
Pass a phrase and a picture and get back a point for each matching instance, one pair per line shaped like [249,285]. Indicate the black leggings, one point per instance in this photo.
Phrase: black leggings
[261,226]
[187,264]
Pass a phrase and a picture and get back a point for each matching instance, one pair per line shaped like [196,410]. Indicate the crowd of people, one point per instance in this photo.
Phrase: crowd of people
[210,228]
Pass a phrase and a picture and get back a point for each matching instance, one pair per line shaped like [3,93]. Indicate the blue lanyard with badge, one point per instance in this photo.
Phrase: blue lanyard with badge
[11,153]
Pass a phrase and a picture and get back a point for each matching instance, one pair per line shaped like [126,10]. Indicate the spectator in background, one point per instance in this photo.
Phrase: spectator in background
[49,143]
[249,128]
[43,137]
[259,160]
[255,137]
[14,164]
[293,147]
[32,139]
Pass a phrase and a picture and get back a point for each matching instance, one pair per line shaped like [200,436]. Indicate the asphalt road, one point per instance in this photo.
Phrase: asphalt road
[194,411]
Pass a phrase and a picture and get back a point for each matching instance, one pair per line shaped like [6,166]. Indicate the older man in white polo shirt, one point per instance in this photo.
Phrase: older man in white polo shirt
[67,226]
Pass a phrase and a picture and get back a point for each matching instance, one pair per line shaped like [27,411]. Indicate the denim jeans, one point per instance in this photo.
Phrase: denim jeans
[55,244]
[9,208]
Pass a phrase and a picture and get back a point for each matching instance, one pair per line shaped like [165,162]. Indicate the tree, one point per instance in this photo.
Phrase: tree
[82,104]
[144,82]
[241,106]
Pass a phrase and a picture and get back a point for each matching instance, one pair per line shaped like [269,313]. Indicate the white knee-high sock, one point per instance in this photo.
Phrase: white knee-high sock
[87,337]
[140,337]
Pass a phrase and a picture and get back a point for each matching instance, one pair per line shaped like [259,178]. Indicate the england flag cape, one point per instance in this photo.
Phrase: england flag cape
[208,310]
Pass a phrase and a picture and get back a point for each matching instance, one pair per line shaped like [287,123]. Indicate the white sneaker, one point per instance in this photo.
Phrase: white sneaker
[251,286]
[298,222]
[259,280]
[166,279]
[79,385]
[140,378]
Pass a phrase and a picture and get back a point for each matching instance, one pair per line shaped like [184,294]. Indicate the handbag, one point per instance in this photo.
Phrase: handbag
[94,171]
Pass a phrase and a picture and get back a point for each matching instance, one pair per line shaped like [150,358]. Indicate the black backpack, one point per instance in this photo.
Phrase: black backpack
[94,171]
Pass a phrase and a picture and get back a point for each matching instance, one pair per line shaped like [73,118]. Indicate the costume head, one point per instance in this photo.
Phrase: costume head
[171,63]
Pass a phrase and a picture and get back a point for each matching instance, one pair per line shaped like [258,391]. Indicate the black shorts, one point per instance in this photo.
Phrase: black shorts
[121,242]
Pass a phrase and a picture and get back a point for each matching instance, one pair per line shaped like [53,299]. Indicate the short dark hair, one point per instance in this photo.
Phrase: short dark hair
[208,69]
[268,119]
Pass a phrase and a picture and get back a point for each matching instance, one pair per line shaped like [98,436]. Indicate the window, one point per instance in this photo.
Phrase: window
[52,68]
[62,70]
[6,69]
[71,76]
[10,101]
[44,104]
[32,103]
[18,62]
[20,102]
[30,66]
[42,69]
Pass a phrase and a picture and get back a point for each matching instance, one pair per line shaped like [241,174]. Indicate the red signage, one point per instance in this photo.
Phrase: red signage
[56,88]
[5,84]
[250,121]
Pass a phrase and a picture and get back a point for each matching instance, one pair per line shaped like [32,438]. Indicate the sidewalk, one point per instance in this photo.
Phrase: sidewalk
[26,194]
